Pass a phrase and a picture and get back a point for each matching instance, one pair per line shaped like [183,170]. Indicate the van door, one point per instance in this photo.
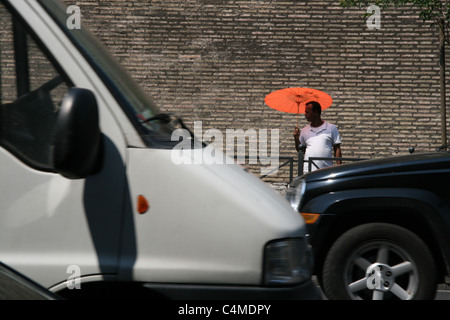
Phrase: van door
[48,223]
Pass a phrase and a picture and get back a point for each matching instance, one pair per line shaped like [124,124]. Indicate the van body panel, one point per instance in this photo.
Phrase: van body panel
[178,239]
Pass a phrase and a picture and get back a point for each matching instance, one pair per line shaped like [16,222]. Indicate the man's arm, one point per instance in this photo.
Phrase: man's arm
[337,153]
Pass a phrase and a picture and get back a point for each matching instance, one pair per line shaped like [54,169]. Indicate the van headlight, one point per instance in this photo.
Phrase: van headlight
[295,194]
[287,262]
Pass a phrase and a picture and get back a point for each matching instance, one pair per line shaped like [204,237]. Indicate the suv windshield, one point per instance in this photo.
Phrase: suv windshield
[143,113]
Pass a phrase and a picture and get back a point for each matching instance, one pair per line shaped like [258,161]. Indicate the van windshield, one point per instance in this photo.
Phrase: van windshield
[143,113]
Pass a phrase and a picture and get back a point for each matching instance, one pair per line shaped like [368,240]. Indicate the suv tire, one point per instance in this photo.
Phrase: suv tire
[378,261]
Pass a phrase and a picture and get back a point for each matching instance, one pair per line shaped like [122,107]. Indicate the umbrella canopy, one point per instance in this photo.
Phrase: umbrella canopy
[293,100]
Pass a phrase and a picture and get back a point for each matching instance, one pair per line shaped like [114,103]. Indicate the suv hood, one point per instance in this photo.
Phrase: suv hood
[417,162]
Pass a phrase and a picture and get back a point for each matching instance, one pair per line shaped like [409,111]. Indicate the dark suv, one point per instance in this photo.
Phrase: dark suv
[380,229]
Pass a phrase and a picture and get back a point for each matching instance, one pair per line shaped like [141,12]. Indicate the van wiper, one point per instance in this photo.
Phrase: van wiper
[168,118]
[164,117]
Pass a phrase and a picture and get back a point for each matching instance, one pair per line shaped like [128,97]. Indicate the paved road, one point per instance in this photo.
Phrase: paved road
[443,292]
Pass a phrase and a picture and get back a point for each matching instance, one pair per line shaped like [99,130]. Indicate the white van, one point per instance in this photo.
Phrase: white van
[91,201]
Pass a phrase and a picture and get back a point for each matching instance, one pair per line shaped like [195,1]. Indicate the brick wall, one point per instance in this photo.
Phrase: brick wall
[215,61]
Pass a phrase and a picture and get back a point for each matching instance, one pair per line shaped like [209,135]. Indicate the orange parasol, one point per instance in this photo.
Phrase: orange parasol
[293,100]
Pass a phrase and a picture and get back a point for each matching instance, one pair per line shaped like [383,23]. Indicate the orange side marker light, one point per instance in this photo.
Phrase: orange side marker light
[142,204]
[310,218]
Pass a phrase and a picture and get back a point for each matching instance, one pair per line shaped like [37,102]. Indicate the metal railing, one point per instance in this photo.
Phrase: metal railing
[292,160]
[287,161]
[311,162]
[312,159]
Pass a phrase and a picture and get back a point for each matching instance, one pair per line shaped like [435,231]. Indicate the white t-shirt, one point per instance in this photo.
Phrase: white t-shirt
[319,142]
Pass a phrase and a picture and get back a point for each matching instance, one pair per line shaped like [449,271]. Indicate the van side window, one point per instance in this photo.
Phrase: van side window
[31,91]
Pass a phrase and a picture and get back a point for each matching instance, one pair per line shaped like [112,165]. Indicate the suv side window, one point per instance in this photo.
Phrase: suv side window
[31,91]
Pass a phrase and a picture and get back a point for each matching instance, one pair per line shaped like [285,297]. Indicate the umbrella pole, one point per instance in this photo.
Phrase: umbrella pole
[298,111]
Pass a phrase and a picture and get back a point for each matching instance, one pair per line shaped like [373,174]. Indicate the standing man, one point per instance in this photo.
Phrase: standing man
[320,138]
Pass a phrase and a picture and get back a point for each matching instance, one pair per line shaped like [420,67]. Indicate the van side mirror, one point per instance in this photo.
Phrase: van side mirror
[77,149]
